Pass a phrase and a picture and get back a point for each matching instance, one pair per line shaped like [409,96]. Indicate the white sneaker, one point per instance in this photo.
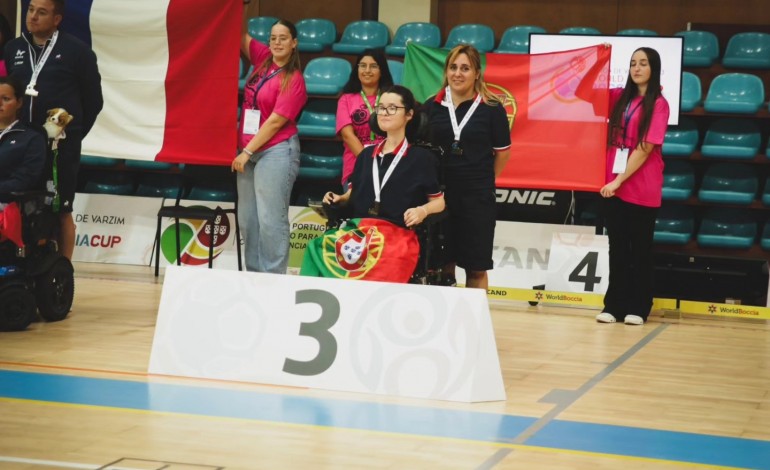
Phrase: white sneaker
[634,320]
[605,317]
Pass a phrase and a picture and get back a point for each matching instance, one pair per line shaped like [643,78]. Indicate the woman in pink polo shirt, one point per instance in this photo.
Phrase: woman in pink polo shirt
[269,160]
[638,120]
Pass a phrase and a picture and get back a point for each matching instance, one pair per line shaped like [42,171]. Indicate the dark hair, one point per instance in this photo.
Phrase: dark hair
[418,121]
[13,82]
[386,79]
[293,65]
[630,91]
[58,7]
[5,32]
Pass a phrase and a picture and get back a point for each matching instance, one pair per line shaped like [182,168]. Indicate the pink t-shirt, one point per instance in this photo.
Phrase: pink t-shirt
[351,110]
[645,186]
[3,71]
[271,99]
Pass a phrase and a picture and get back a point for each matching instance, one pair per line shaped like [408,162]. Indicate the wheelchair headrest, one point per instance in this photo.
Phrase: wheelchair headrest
[417,128]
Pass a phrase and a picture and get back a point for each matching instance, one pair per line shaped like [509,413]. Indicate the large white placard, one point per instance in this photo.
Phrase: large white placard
[579,262]
[373,337]
[669,48]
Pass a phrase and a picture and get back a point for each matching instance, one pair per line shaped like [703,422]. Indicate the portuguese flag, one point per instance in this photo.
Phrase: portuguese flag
[369,249]
[558,140]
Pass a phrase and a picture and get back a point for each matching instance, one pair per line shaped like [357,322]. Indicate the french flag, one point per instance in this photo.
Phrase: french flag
[169,77]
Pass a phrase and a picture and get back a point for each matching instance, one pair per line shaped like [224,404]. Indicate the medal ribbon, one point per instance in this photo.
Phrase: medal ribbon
[371,110]
[37,67]
[457,129]
[376,170]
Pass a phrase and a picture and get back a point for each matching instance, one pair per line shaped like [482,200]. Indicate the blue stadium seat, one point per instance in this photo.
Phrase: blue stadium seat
[674,224]
[396,71]
[326,75]
[318,119]
[701,48]
[361,35]
[315,34]
[321,160]
[729,183]
[580,30]
[515,39]
[766,193]
[692,93]
[740,93]
[722,227]
[158,185]
[636,32]
[765,242]
[678,180]
[732,138]
[259,28]
[480,36]
[681,140]
[748,51]
[109,182]
[424,34]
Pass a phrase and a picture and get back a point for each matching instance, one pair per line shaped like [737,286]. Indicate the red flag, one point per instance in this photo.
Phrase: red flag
[10,224]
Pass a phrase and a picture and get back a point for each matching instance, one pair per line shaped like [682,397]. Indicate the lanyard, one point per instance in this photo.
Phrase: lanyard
[37,67]
[5,131]
[627,119]
[261,84]
[457,129]
[376,171]
[371,110]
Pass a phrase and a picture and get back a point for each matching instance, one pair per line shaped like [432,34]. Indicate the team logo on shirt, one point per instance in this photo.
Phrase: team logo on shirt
[360,116]
[19,54]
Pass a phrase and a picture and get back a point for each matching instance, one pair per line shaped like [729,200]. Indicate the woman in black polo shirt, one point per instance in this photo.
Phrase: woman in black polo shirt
[471,125]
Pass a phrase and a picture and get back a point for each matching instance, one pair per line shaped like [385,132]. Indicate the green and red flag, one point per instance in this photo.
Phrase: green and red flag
[558,139]
[369,249]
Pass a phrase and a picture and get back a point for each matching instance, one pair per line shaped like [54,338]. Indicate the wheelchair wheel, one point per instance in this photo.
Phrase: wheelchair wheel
[18,308]
[55,290]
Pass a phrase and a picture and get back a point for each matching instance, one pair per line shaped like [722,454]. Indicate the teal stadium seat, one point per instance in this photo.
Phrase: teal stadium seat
[480,36]
[424,34]
[739,93]
[636,32]
[729,183]
[722,227]
[244,73]
[149,165]
[259,28]
[361,35]
[515,39]
[315,34]
[586,30]
[674,225]
[104,162]
[159,185]
[701,48]
[678,180]
[321,160]
[396,71]
[326,75]
[732,138]
[748,51]
[765,242]
[766,193]
[692,93]
[109,182]
[681,140]
[318,119]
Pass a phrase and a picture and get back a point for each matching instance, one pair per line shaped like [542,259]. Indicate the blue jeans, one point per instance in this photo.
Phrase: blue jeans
[264,189]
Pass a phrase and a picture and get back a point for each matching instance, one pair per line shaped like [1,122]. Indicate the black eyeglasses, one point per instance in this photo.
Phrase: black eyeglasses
[372,67]
[388,110]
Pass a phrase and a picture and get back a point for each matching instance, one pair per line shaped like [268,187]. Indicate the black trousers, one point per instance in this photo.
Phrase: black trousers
[630,228]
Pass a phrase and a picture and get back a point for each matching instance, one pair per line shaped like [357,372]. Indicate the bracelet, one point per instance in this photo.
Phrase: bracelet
[247,151]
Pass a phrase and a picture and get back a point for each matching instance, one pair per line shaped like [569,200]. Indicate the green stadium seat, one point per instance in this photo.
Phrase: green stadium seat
[739,93]
[515,39]
[424,34]
[729,183]
[748,51]
[674,225]
[681,140]
[315,34]
[585,30]
[727,228]
[732,138]
[259,28]
[326,75]
[361,35]
[480,36]
[678,180]
[701,48]
[692,93]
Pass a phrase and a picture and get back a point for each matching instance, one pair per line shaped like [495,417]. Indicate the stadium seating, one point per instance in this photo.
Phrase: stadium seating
[674,224]
[480,36]
[732,138]
[515,39]
[701,48]
[580,30]
[326,75]
[692,93]
[723,227]
[109,182]
[361,35]
[636,32]
[318,119]
[678,180]
[321,160]
[424,34]
[259,28]
[396,71]
[748,51]
[729,183]
[158,185]
[681,140]
[765,242]
[149,165]
[315,34]
[739,93]
[90,160]
[766,193]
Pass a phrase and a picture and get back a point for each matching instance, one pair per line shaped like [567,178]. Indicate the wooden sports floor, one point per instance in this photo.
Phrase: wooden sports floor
[675,393]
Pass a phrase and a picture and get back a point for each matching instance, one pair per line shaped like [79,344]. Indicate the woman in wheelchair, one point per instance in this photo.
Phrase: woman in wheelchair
[394,187]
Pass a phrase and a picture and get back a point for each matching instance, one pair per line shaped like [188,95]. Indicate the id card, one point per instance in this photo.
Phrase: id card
[621,159]
[251,121]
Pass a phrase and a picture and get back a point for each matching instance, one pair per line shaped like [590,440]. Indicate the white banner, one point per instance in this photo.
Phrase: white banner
[579,263]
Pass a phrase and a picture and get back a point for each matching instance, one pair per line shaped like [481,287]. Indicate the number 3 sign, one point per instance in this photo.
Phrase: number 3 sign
[374,337]
[578,263]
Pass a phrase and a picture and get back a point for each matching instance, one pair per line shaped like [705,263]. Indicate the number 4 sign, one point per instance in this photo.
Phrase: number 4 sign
[578,263]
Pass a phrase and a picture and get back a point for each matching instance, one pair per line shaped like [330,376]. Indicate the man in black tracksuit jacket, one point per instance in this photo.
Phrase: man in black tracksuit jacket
[69,79]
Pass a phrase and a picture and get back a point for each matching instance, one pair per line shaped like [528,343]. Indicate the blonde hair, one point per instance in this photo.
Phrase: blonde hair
[475,59]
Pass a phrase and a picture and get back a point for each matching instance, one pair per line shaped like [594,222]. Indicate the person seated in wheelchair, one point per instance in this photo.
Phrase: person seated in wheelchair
[22,157]
[394,187]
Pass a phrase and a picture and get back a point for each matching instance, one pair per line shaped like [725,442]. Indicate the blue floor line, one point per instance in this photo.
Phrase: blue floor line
[383,417]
